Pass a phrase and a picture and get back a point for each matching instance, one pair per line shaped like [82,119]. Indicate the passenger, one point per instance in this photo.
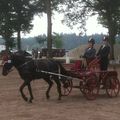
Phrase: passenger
[103,53]
[90,51]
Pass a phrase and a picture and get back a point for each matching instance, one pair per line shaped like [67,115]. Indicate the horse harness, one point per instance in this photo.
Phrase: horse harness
[37,69]
[57,73]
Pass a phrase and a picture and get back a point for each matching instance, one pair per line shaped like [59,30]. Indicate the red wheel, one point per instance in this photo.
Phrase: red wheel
[112,86]
[82,85]
[90,87]
[67,87]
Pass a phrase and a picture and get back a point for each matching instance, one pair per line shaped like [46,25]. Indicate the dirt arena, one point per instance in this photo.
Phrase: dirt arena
[72,107]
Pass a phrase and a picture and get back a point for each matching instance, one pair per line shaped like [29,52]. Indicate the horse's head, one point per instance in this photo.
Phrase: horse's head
[16,59]
[7,67]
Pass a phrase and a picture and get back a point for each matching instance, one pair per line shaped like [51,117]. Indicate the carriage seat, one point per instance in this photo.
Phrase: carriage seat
[77,65]
[91,64]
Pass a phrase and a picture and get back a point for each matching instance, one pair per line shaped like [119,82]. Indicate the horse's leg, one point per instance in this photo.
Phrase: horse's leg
[50,85]
[21,91]
[30,91]
[58,87]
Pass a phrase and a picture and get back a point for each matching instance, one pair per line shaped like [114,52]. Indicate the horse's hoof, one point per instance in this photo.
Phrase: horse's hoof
[25,98]
[48,97]
[30,101]
[59,98]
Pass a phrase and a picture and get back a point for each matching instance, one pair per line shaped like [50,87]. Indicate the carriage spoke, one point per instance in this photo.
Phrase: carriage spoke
[67,87]
[90,88]
[112,86]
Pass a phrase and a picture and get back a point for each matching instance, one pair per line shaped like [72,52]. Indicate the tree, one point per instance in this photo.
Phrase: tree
[16,16]
[109,17]
[41,39]
[24,11]
[78,11]
[6,28]
[49,30]
[47,6]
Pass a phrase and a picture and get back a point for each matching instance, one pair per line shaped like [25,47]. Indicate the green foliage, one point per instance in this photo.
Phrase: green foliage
[23,11]
[47,6]
[42,7]
[11,42]
[41,39]
[69,41]
[15,16]
[78,11]
[109,14]
[57,40]
[6,28]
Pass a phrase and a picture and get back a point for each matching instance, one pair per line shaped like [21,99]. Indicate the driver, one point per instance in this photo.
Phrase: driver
[90,52]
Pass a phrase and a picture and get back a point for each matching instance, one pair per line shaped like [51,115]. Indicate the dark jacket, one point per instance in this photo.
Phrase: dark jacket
[103,53]
[89,53]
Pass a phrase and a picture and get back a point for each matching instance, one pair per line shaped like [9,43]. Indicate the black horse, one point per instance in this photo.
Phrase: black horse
[30,69]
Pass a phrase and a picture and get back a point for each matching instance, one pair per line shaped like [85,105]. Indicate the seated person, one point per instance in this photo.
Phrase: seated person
[90,52]
[103,54]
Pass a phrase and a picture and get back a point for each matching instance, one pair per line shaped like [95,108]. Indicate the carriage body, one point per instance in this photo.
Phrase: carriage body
[92,79]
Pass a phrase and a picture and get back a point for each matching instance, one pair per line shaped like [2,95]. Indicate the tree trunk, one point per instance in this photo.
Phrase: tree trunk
[49,29]
[19,40]
[112,35]
[112,38]
[6,44]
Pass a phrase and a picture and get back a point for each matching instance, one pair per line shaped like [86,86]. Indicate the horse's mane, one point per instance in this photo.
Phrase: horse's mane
[21,55]
[22,52]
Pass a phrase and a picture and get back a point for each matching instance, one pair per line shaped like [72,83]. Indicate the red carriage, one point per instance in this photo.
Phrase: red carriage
[92,79]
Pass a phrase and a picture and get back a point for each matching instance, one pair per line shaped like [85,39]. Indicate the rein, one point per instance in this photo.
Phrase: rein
[57,74]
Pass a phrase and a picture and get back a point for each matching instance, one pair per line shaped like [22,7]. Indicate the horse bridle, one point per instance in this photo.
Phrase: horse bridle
[8,61]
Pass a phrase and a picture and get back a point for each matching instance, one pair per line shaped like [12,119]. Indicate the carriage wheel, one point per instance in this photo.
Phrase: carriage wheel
[82,85]
[90,87]
[112,86]
[67,87]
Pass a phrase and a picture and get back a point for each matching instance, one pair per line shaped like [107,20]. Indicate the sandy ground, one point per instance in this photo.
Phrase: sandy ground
[72,107]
